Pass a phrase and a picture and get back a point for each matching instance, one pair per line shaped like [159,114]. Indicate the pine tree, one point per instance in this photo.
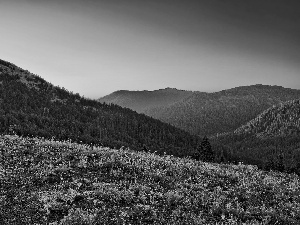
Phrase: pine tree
[279,163]
[205,150]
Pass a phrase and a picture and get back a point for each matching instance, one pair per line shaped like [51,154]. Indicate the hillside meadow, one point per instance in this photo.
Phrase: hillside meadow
[50,182]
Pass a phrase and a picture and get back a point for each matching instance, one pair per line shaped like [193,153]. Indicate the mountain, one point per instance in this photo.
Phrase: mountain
[202,113]
[271,140]
[142,101]
[50,182]
[281,120]
[31,106]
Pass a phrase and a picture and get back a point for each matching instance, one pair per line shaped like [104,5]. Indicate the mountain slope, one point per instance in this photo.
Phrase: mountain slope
[32,106]
[49,182]
[280,120]
[271,140]
[203,113]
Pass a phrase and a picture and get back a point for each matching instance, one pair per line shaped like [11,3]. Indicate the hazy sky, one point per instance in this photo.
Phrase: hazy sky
[95,47]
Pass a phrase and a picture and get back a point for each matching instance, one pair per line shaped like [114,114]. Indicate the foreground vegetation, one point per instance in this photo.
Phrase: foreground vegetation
[50,182]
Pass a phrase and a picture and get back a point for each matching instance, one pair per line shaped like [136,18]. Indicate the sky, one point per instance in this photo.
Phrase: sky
[96,47]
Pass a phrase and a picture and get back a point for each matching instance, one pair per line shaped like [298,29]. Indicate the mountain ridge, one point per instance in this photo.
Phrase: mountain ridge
[140,101]
[205,113]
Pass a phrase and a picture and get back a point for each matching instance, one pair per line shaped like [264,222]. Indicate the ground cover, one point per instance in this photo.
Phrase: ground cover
[49,182]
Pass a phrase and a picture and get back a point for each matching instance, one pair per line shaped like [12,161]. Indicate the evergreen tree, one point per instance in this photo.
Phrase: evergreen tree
[205,150]
[280,163]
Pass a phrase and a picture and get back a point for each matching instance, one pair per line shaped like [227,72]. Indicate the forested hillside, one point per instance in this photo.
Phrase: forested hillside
[211,113]
[31,106]
[271,140]
[280,120]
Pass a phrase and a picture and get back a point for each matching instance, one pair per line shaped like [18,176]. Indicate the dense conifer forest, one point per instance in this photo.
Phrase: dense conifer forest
[271,140]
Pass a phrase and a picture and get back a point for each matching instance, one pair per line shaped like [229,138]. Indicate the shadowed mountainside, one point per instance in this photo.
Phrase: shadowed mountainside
[271,140]
[31,106]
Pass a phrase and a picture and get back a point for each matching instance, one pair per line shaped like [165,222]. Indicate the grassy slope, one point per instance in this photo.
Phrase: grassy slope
[46,182]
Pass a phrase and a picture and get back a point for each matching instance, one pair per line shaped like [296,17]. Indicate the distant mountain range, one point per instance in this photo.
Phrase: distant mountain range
[31,106]
[204,113]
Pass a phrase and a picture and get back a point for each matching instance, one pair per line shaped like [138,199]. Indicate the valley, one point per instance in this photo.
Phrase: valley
[66,159]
